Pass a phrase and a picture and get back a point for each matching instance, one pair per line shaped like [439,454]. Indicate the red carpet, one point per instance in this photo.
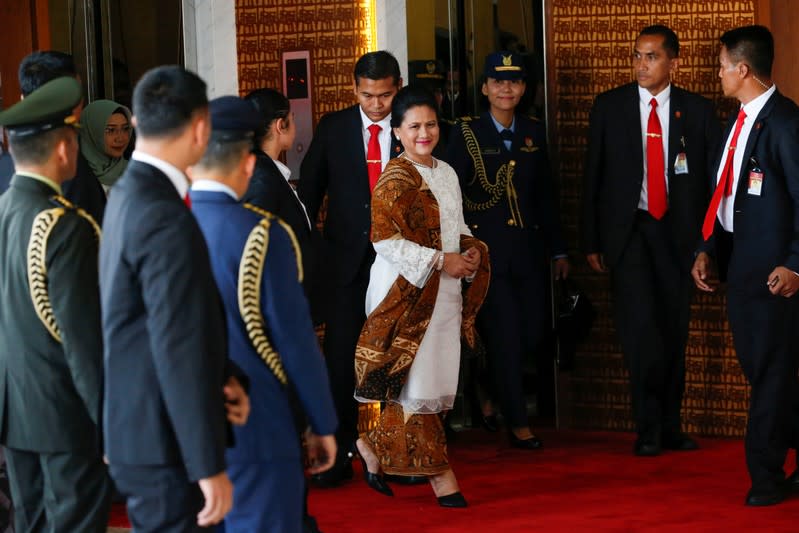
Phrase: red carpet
[581,481]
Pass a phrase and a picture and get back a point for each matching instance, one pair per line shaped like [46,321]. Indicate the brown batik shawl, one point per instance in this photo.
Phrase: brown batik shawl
[404,207]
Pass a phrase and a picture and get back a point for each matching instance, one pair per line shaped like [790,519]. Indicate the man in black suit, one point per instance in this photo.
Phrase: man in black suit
[645,191]
[348,152]
[752,228]
[163,325]
[36,69]
[51,350]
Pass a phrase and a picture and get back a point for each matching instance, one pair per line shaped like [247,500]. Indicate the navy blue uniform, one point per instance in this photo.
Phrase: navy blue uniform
[265,464]
[509,204]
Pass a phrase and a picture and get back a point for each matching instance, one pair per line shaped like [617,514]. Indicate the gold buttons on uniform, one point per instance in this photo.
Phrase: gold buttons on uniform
[512,163]
[511,222]
[474,226]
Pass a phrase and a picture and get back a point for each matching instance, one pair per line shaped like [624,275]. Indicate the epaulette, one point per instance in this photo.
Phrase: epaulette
[43,226]
[468,118]
[251,271]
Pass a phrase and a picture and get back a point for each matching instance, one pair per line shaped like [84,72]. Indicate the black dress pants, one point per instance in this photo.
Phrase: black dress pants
[160,499]
[344,321]
[58,492]
[765,331]
[652,292]
[511,323]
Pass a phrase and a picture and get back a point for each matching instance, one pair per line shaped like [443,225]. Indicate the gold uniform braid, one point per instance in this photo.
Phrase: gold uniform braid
[251,271]
[502,185]
[43,226]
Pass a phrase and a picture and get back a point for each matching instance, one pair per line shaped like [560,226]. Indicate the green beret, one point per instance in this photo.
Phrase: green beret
[48,107]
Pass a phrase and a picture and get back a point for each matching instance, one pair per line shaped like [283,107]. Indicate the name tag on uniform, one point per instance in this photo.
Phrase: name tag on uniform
[755,182]
[489,151]
[681,164]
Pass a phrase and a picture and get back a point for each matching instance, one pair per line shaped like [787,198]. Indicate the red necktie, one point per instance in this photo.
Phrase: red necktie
[724,185]
[374,163]
[655,167]
[187,200]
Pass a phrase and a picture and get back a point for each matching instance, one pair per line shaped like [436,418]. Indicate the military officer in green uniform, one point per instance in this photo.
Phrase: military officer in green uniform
[51,354]
[508,202]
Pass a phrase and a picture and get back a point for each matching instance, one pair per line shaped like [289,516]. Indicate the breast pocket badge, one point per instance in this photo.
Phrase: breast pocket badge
[681,164]
[755,185]
[528,145]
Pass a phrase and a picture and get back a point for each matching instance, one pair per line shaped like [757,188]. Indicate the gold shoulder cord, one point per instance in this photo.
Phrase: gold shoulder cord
[251,271]
[502,185]
[43,226]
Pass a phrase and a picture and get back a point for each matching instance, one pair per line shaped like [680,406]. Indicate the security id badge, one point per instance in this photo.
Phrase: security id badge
[681,164]
[755,186]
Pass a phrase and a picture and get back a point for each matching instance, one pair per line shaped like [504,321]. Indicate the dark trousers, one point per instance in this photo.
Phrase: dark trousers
[511,323]
[160,499]
[765,331]
[651,300]
[267,497]
[344,321]
[58,492]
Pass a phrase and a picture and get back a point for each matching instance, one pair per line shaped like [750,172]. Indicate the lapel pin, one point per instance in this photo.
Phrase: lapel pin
[758,125]
[397,149]
[677,114]
[528,141]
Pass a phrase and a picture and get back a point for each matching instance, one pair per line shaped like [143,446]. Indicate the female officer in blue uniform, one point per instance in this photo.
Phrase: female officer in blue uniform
[501,161]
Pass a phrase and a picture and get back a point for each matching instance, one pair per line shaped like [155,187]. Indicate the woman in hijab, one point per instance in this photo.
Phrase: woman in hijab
[104,137]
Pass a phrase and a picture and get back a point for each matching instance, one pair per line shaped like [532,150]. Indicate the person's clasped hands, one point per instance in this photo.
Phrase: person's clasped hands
[462,265]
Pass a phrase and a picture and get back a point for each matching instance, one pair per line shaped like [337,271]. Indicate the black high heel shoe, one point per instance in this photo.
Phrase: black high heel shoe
[533,443]
[455,499]
[375,481]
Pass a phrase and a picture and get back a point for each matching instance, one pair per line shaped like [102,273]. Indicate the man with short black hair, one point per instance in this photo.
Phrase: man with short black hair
[51,351]
[752,229]
[270,331]
[350,148]
[165,352]
[645,189]
[36,69]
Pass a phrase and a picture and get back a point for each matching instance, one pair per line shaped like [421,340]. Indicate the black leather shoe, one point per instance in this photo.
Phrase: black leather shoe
[376,481]
[791,483]
[764,496]
[489,423]
[679,442]
[533,443]
[455,499]
[646,447]
[406,480]
[335,476]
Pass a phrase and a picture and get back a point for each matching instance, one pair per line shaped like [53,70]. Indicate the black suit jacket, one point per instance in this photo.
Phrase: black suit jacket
[335,164]
[50,391]
[269,190]
[766,227]
[614,171]
[164,331]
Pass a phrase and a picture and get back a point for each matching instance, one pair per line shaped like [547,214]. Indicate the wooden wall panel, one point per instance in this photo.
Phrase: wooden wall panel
[589,49]
[337,32]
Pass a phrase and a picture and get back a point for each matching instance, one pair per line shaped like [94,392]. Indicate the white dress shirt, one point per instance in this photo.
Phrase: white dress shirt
[175,175]
[384,137]
[213,186]
[664,104]
[286,172]
[752,110]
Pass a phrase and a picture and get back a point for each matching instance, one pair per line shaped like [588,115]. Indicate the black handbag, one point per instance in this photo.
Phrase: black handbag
[575,317]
